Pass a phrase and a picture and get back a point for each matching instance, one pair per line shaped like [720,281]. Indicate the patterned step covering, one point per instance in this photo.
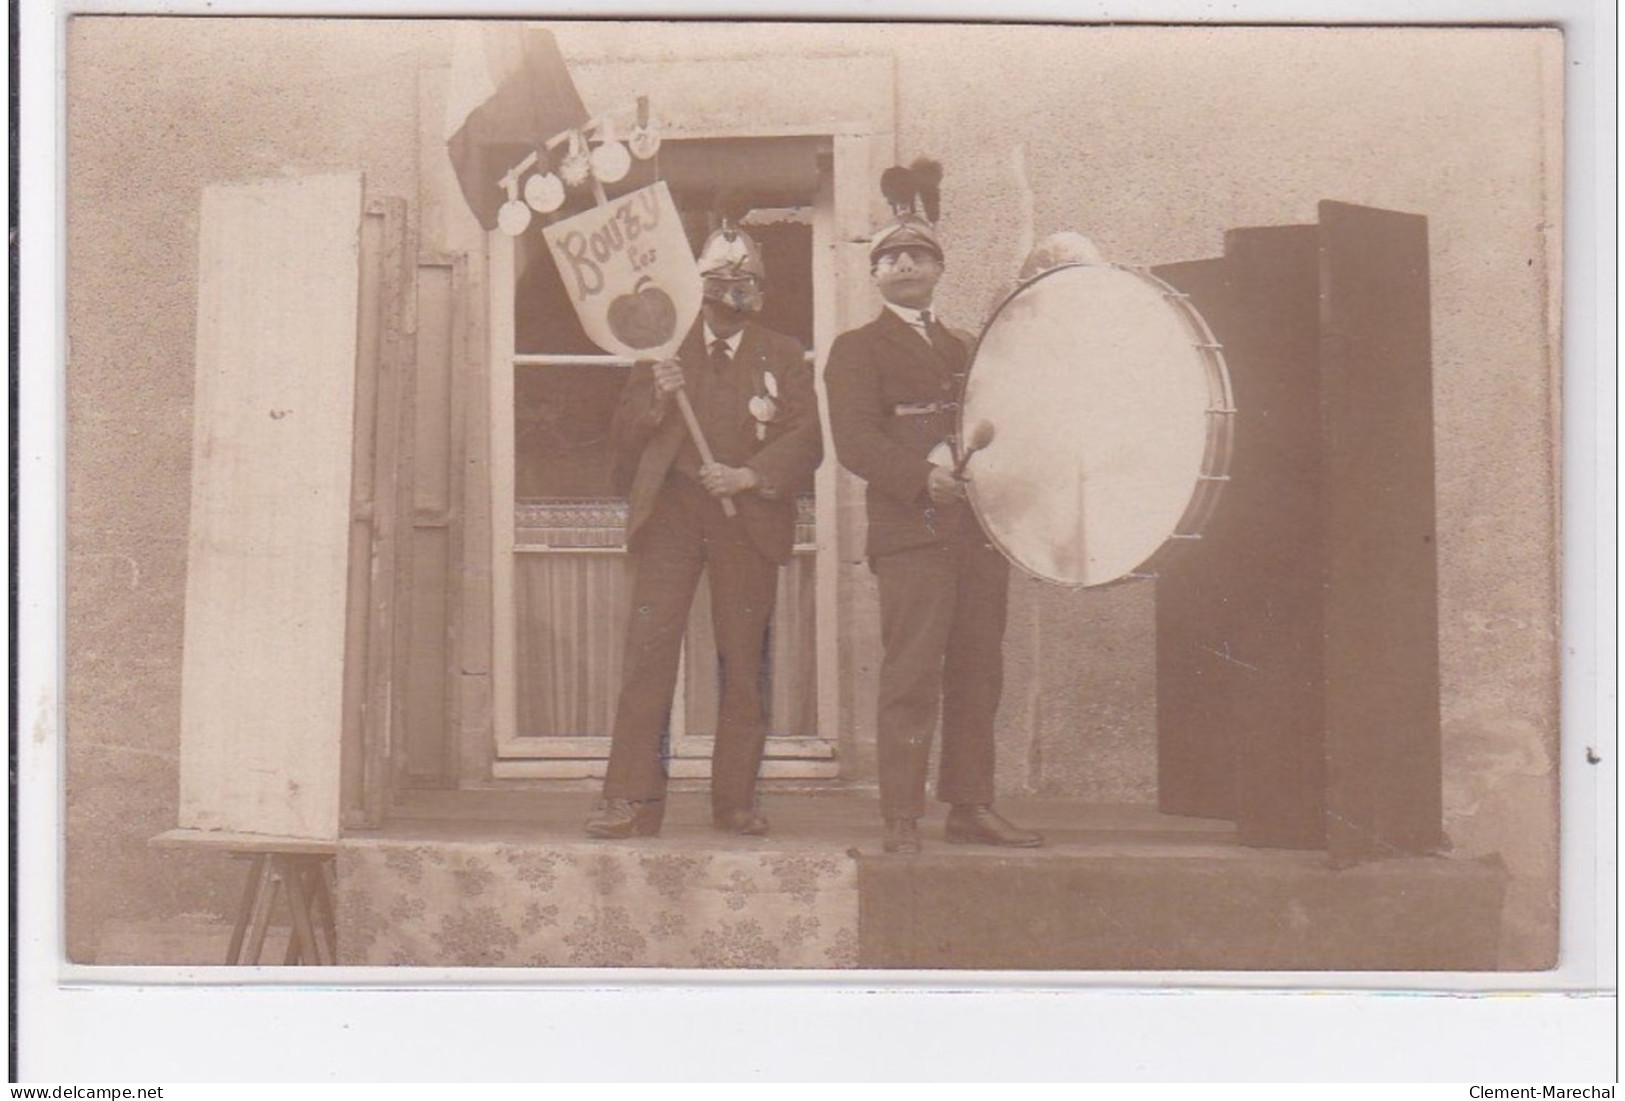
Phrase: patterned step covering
[601,522]
[647,903]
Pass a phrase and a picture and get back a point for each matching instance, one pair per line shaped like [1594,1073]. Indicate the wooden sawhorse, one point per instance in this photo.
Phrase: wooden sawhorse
[297,869]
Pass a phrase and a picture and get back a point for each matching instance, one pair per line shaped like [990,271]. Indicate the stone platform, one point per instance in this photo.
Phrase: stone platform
[505,879]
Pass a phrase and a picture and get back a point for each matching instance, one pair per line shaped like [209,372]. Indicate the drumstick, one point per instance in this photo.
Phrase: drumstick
[694,430]
[980,436]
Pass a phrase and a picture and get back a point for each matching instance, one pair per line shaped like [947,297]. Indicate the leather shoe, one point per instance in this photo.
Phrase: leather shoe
[618,819]
[747,822]
[902,836]
[981,825]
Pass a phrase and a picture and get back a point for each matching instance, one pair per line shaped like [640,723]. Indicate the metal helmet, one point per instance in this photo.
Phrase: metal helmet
[731,266]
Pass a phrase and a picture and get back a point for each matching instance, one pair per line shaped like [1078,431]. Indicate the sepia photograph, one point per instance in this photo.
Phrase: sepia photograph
[422,556]
[811,499]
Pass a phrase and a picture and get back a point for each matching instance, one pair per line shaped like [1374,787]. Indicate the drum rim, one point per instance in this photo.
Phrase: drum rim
[1220,443]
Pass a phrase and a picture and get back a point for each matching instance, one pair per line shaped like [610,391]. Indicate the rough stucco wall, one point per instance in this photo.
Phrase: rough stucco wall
[1152,143]
[157,111]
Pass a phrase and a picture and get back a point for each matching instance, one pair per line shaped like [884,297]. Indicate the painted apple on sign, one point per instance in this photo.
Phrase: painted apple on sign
[629,272]
[646,318]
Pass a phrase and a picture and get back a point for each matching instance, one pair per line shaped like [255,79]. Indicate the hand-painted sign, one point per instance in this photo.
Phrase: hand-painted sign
[630,273]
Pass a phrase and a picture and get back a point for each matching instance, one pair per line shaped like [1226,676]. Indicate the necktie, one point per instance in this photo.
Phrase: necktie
[719,352]
[933,333]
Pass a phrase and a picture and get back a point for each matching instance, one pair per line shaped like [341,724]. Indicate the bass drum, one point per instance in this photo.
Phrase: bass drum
[1110,412]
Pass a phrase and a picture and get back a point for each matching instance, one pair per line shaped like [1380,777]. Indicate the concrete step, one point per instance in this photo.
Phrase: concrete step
[1124,910]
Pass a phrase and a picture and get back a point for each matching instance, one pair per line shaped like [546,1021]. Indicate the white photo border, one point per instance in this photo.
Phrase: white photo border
[98,1024]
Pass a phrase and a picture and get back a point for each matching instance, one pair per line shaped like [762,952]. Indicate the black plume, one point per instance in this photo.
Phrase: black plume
[927,175]
[899,186]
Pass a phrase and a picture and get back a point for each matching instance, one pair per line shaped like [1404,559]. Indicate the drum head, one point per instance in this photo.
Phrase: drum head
[1099,384]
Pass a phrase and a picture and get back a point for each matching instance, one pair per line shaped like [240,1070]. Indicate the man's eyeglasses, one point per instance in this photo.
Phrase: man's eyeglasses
[918,257]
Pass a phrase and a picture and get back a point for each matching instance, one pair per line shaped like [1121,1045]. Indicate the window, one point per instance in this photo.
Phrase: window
[562,579]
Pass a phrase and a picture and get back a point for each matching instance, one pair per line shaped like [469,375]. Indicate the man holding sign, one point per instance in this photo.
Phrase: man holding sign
[750,391]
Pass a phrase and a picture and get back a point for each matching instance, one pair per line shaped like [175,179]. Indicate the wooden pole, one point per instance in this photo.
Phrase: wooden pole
[694,430]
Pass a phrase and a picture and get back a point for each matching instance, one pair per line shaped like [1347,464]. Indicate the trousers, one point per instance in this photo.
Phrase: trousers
[687,535]
[942,617]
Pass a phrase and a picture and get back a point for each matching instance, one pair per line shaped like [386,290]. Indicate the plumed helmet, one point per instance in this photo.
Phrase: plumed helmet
[915,195]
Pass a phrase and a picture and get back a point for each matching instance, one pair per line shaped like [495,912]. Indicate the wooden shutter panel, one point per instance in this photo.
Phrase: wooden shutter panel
[378,645]
[1297,644]
[1240,703]
[267,558]
[1384,780]
[298,571]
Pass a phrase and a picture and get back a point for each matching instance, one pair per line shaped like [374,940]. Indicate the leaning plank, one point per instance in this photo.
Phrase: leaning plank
[263,664]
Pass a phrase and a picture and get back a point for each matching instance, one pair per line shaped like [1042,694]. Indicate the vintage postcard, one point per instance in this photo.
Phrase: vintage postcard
[702,498]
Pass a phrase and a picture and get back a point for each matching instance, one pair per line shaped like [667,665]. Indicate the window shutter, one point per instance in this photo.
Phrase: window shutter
[263,654]
[289,652]
[1298,653]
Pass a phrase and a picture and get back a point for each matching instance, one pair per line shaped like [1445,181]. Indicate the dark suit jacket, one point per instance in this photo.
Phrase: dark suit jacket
[785,458]
[872,370]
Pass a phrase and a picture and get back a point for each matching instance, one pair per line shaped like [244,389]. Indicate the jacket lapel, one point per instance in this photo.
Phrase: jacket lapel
[753,355]
[903,335]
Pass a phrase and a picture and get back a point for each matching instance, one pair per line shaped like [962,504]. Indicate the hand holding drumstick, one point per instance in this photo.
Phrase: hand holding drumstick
[947,486]
[981,436]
